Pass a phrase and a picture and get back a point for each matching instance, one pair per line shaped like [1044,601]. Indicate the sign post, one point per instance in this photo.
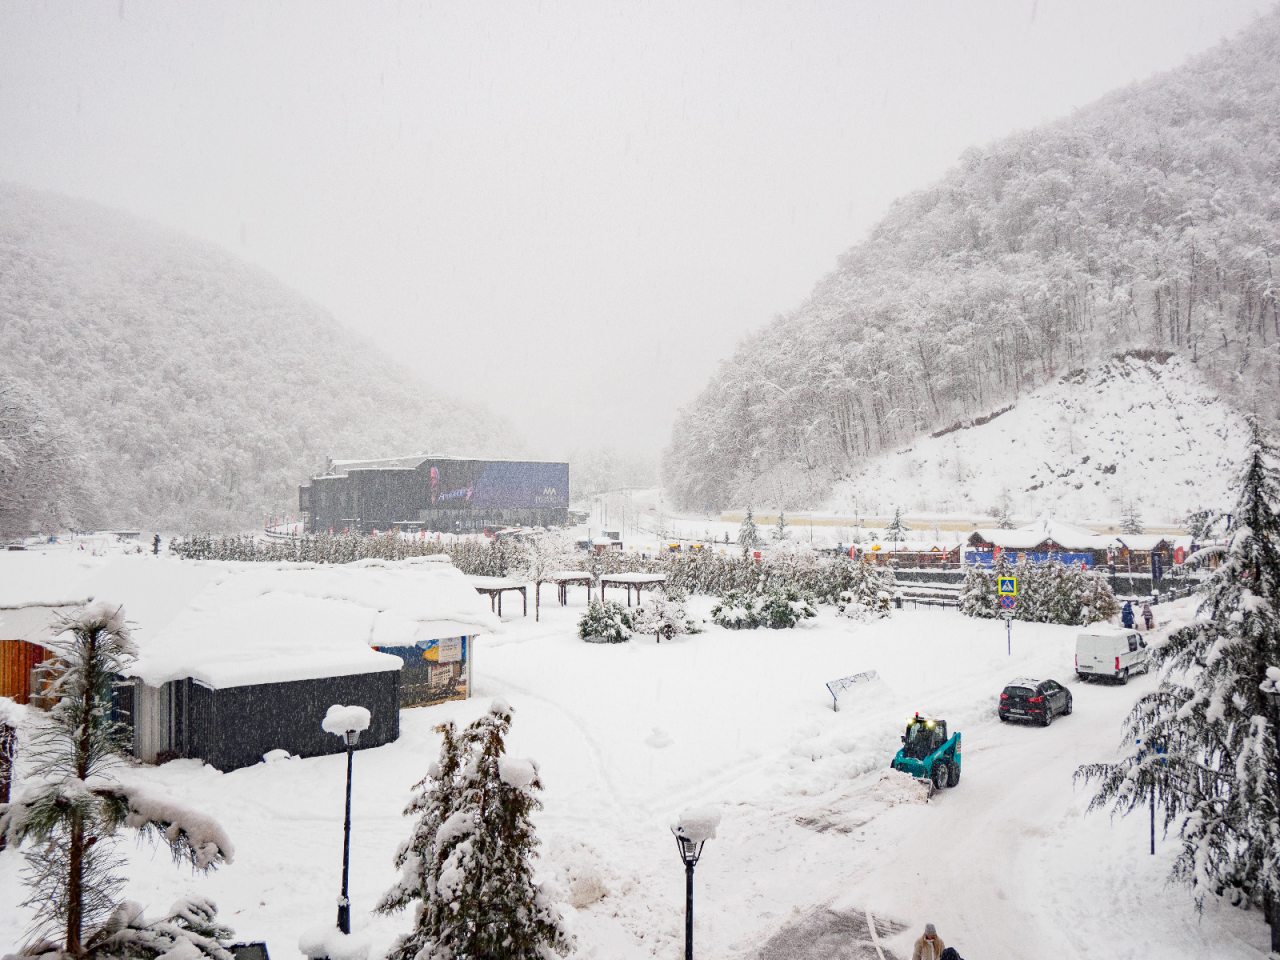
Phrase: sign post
[1007,588]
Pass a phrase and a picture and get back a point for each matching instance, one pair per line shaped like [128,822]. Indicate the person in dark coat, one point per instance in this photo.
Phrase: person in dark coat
[950,954]
[1126,615]
[1148,618]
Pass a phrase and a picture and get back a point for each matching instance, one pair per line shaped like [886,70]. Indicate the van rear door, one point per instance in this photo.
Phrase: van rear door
[1095,654]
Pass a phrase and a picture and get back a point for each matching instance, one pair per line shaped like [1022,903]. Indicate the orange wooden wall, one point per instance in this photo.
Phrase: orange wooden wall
[17,659]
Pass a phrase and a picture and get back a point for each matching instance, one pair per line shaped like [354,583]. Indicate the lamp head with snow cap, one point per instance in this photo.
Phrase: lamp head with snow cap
[694,828]
[346,722]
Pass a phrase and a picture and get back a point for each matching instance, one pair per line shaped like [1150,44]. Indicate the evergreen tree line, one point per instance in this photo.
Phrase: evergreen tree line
[823,576]
[1147,222]
[1049,592]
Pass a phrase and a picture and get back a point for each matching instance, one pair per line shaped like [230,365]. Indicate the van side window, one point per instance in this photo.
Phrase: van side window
[1133,643]
[1142,643]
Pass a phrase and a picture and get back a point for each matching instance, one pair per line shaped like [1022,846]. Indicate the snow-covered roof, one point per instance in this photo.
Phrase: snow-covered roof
[1032,535]
[265,623]
[34,622]
[1141,541]
[339,468]
[231,624]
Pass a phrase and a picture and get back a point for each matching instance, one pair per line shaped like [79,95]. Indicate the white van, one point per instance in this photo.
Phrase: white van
[1111,653]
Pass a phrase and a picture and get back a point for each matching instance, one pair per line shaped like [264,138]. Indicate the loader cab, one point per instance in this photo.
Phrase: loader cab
[923,736]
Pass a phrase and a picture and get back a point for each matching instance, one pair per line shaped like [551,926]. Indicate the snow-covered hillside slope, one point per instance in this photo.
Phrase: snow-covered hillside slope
[194,389]
[1148,431]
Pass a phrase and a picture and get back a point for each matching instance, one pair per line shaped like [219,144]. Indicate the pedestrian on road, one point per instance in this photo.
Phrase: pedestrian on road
[1126,615]
[1148,617]
[950,954]
[929,946]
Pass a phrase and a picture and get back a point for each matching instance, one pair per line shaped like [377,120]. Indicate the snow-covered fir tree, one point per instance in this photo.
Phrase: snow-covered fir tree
[71,806]
[492,909]
[748,533]
[978,593]
[606,622]
[1004,515]
[897,529]
[1131,522]
[867,592]
[1215,781]
[780,531]
[420,858]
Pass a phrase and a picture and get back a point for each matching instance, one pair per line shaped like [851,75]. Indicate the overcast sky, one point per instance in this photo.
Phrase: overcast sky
[570,211]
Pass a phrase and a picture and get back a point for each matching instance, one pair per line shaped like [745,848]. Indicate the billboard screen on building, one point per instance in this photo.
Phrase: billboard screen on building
[501,484]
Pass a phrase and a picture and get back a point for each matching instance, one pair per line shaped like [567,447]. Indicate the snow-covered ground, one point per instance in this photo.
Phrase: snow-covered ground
[813,838]
[1082,446]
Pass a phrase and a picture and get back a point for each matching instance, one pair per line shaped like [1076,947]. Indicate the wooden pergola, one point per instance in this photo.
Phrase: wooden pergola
[636,581]
[495,587]
[563,579]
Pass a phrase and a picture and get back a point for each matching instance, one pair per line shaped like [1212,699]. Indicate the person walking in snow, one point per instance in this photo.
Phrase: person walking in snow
[951,954]
[929,946]
[1148,617]
[1126,615]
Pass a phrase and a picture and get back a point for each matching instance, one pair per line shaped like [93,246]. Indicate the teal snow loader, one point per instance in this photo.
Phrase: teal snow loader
[928,754]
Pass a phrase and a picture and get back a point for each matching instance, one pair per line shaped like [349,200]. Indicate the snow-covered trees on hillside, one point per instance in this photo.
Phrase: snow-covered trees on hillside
[203,399]
[1139,222]
[468,865]
[70,808]
[1204,746]
[39,466]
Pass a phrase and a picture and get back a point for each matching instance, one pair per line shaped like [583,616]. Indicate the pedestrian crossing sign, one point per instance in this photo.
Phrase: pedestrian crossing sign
[1007,587]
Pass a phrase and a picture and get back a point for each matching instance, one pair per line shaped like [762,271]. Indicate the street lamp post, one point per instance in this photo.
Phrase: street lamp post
[347,723]
[344,902]
[690,851]
[1271,690]
[694,828]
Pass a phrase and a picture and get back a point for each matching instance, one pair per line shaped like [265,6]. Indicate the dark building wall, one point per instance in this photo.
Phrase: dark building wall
[234,727]
[445,495]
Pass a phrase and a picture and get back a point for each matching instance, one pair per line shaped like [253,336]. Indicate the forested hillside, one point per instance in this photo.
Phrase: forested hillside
[1150,219]
[175,386]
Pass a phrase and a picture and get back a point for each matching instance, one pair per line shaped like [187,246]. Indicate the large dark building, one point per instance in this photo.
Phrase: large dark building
[435,493]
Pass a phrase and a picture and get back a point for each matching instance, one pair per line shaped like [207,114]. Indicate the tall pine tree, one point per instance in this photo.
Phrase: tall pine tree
[71,807]
[469,862]
[748,533]
[897,529]
[1218,780]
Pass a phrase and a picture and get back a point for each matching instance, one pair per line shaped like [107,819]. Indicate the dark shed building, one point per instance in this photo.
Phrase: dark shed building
[435,493]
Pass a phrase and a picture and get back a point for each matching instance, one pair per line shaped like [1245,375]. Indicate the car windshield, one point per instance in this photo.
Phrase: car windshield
[922,740]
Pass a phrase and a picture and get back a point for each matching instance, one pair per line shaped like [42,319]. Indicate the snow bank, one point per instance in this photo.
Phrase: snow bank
[698,824]
[338,719]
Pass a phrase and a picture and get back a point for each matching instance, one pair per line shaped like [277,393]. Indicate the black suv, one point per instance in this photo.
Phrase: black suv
[1039,700]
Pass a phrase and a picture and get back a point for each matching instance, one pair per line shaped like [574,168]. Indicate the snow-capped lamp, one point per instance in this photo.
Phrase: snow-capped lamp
[693,829]
[346,722]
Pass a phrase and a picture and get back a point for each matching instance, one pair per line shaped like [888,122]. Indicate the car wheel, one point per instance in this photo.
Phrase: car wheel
[953,774]
[1048,714]
[940,775]
[1124,676]
[1003,718]
[1070,706]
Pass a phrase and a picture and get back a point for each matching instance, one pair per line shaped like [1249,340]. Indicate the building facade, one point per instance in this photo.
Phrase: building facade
[435,493]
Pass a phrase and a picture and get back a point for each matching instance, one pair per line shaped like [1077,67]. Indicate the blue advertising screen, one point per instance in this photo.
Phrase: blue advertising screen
[984,558]
[509,484]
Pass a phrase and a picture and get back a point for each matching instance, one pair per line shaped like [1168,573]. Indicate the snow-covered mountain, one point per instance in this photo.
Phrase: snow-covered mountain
[1141,428]
[192,389]
[1149,220]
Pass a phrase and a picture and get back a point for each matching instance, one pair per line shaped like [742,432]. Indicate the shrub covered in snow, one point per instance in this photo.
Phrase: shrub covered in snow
[665,617]
[607,622]
[737,610]
[778,609]
[784,608]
